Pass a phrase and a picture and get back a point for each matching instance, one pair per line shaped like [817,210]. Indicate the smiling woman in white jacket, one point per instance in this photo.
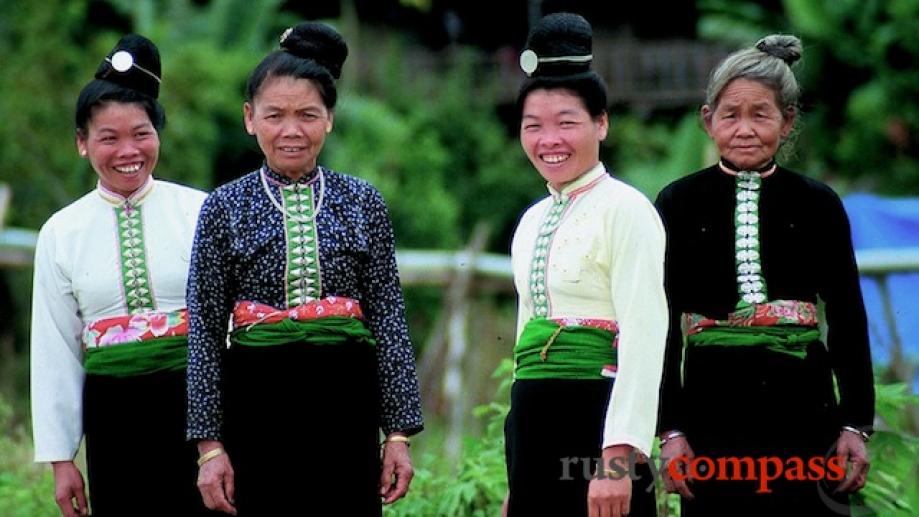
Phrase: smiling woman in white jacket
[109,324]
[592,315]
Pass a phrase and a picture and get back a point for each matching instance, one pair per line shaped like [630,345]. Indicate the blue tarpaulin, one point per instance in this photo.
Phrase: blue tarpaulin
[888,223]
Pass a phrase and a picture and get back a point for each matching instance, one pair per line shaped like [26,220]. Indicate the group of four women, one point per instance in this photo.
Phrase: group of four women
[273,307]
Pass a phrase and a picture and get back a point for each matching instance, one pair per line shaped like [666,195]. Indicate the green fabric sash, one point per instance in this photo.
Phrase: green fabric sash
[334,330]
[789,339]
[162,354]
[547,350]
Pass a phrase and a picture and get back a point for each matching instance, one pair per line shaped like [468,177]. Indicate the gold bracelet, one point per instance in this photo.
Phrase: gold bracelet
[398,439]
[209,455]
[612,474]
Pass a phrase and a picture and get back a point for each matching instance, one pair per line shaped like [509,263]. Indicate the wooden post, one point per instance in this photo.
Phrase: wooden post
[5,196]
[456,309]
[7,350]
[899,364]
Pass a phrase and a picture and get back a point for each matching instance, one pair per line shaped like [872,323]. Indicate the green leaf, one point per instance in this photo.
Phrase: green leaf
[809,17]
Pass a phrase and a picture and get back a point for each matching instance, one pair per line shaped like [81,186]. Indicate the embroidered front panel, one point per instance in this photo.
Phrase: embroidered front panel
[134,328]
[135,273]
[551,222]
[302,274]
[751,285]
[774,313]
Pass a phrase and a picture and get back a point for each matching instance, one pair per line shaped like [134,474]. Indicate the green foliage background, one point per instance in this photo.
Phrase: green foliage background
[443,159]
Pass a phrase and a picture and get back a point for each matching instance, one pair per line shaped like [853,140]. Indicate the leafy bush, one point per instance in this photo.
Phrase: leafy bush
[892,487]
[26,488]
[476,485]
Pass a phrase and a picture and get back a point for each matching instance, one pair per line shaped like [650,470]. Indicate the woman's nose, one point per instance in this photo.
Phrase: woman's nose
[291,128]
[550,137]
[745,126]
[128,149]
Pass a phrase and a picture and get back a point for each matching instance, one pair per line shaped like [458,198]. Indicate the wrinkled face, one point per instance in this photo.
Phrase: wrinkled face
[290,122]
[747,124]
[121,144]
[559,136]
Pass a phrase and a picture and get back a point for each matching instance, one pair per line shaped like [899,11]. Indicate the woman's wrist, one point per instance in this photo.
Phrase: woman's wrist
[61,464]
[620,450]
[397,437]
[856,431]
[670,435]
[206,446]
[209,455]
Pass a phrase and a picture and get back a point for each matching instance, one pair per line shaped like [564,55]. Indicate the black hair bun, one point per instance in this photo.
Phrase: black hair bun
[134,63]
[561,35]
[318,42]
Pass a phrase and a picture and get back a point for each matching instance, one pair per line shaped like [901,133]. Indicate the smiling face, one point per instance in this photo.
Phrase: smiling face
[121,144]
[747,124]
[290,122]
[559,136]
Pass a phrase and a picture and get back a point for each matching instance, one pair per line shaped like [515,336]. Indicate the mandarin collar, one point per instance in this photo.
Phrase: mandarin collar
[730,169]
[135,199]
[580,184]
[278,178]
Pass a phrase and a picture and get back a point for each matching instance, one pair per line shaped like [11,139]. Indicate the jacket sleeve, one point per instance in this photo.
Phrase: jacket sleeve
[56,356]
[847,323]
[637,290]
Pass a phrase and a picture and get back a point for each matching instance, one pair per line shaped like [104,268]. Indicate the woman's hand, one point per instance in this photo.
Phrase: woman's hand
[397,470]
[69,490]
[610,492]
[677,449]
[216,479]
[852,453]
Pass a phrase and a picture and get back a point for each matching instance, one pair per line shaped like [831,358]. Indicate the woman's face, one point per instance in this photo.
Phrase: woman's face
[290,122]
[121,144]
[747,124]
[559,136]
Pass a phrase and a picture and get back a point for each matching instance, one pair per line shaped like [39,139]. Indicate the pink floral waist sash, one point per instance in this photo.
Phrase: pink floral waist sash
[770,314]
[247,313]
[134,328]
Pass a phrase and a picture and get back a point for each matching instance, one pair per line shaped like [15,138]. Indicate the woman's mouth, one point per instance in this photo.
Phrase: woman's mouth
[128,169]
[555,158]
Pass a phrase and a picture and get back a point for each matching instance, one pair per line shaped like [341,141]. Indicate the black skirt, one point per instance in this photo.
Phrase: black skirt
[554,436]
[138,460]
[755,403]
[301,429]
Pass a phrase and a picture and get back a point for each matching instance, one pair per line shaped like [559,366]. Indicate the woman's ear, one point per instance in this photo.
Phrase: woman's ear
[603,125]
[706,113]
[81,144]
[248,118]
[788,121]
